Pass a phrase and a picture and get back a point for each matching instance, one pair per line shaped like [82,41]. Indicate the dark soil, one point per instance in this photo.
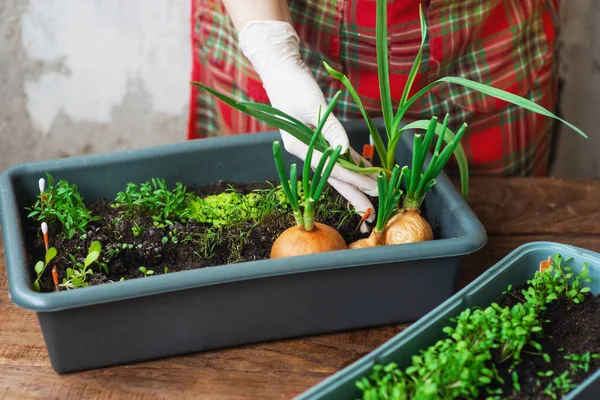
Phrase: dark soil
[156,249]
[569,329]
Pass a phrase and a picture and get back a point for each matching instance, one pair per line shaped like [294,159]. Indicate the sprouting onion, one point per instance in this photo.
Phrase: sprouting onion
[408,226]
[389,196]
[308,236]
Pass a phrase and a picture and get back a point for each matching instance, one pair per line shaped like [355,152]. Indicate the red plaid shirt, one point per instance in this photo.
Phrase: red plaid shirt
[509,44]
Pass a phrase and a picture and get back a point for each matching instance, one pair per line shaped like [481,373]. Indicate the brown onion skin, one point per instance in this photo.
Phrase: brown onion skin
[295,241]
[407,227]
[374,239]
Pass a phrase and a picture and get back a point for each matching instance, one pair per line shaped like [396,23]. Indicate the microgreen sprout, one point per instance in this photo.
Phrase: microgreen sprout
[61,202]
[77,276]
[146,271]
[581,362]
[156,198]
[463,363]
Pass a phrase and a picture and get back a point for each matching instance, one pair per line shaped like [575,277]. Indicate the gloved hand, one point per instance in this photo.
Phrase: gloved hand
[273,50]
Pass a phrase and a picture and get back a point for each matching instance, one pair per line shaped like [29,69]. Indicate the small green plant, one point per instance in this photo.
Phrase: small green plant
[41,266]
[62,203]
[560,386]
[556,281]
[166,270]
[146,271]
[155,198]
[77,276]
[515,380]
[581,361]
[464,363]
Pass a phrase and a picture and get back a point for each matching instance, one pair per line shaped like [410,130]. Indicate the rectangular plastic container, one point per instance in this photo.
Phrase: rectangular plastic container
[515,269]
[217,307]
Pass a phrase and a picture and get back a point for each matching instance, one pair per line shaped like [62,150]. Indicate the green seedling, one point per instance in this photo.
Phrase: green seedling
[581,361]
[77,276]
[463,364]
[155,198]
[41,266]
[62,203]
[146,271]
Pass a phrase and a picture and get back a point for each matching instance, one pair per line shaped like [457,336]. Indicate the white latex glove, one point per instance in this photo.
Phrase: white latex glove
[273,49]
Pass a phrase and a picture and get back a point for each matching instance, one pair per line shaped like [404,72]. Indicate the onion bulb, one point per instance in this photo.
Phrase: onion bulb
[374,239]
[407,227]
[297,241]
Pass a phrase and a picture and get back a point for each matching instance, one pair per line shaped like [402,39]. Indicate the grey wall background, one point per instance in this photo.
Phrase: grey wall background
[88,76]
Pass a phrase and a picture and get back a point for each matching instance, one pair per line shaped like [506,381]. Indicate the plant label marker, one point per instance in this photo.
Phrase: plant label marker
[368,152]
[366,215]
[45,234]
[42,187]
[55,278]
[546,264]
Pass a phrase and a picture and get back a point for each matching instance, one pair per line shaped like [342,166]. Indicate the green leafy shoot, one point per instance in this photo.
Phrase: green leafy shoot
[389,196]
[146,271]
[155,198]
[312,188]
[418,183]
[280,120]
[315,186]
[581,361]
[62,203]
[77,276]
[41,266]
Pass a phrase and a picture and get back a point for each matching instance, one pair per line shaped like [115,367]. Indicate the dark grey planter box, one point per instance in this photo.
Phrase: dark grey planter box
[515,269]
[225,306]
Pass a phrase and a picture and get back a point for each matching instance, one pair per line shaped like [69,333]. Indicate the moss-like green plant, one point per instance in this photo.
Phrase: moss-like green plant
[227,208]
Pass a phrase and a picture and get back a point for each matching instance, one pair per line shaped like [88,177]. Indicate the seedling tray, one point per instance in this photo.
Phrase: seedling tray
[224,306]
[515,269]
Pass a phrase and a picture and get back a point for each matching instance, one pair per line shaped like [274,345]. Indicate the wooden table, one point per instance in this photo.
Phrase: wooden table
[514,211]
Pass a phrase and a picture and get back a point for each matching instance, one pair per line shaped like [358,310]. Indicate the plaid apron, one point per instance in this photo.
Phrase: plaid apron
[509,44]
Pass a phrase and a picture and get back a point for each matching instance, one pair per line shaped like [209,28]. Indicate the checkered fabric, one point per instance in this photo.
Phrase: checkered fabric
[509,44]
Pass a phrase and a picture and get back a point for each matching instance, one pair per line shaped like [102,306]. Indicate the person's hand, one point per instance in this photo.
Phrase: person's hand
[273,50]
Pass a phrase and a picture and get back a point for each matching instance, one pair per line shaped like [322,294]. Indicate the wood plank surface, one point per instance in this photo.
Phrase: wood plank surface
[514,212]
